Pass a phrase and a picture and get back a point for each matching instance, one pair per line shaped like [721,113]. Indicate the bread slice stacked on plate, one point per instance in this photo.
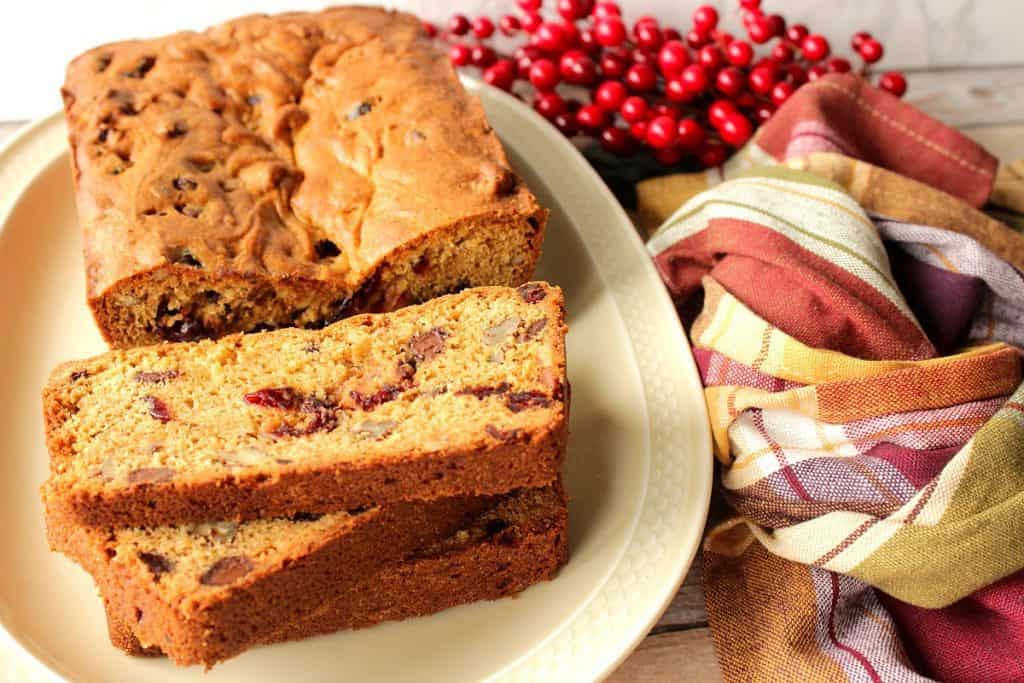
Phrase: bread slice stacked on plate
[374,459]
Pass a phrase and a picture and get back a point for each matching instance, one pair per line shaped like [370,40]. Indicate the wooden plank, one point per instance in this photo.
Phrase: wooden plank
[969,98]
[687,608]
[676,656]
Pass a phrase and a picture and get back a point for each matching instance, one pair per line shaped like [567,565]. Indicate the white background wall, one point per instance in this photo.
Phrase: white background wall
[38,37]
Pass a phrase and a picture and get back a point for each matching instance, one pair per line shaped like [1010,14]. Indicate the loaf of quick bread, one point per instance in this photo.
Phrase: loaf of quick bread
[285,170]
[463,395]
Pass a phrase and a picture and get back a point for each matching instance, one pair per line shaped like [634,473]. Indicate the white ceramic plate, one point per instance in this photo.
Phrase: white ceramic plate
[638,472]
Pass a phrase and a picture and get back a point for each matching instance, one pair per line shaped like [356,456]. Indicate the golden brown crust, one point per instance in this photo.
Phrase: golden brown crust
[285,170]
[487,561]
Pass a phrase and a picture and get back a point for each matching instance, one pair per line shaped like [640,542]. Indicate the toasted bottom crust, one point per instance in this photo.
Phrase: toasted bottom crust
[338,486]
[530,549]
[184,302]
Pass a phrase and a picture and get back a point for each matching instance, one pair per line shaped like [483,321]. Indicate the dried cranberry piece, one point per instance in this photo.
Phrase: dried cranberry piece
[156,377]
[158,410]
[323,421]
[532,292]
[532,330]
[427,345]
[282,398]
[388,392]
[482,392]
[503,434]
[522,400]
[157,564]
[226,571]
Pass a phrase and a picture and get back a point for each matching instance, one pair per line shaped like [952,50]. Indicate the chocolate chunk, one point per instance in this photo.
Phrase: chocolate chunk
[184,184]
[531,292]
[141,68]
[361,109]
[78,374]
[522,400]
[495,526]
[185,258]
[102,62]
[158,410]
[326,249]
[150,475]
[190,210]
[503,434]
[177,129]
[157,564]
[253,100]
[156,377]
[227,571]
[482,392]
[426,345]
[202,165]
[102,137]
[125,101]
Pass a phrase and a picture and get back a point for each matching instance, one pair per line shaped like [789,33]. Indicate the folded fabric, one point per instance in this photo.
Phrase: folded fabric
[858,332]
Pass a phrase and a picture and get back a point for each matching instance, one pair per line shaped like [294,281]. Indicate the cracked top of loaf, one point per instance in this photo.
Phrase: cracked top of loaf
[301,146]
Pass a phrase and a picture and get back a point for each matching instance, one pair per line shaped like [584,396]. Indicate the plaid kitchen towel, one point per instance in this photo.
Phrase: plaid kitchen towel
[857,325]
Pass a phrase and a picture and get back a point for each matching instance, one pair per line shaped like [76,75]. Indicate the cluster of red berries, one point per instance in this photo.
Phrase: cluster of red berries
[695,95]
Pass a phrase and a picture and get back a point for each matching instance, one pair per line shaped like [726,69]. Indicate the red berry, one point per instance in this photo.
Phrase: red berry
[735,130]
[610,32]
[670,156]
[483,27]
[525,56]
[815,47]
[838,65]
[796,74]
[719,110]
[482,56]
[633,109]
[782,53]
[730,81]
[661,132]
[858,39]
[676,91]
[460,54]
[705,18]
[591,117]
[696,39]
[566,123]
[816,72]
[544,74]
[745,100]
[673,57]
[672,34]
[649,37]
[613,66]
[722,37]
[588,41]
[641,77]
[749,16]
[711,154]
[606,9]
[781,92]
[577,68]
[642,56]
[509,25]
[616,140]
[646,20]
[764,111]
[690,133]
[739,53]
[639,130]
[760,30]
[610,95]
[871,50]
[695,78]
[552,36]
[429,29]
[762,79]
[796,33]
[750,4]
[549,105]
[571,10]
[710,57]
[531,22]
[529,5]
[894,82]
[665,109]
[458,24]
[502,74]
[777,24]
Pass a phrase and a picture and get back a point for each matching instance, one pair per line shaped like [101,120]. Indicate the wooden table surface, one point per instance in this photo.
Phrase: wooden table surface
[986,103]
